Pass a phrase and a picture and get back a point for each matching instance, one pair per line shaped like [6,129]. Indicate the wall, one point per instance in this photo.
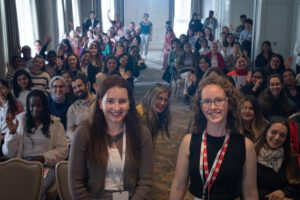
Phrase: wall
[159,14]
[277,28]
[238,7]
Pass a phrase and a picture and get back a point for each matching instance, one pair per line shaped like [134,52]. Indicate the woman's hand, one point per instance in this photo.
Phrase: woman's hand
[10,124]
[127,75]
[276,195]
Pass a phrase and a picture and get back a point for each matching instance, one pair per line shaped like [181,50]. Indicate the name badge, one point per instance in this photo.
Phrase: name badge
[124,195]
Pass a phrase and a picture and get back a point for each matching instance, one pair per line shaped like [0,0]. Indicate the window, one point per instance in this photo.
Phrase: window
[27,22]
[182,13]
[107,5]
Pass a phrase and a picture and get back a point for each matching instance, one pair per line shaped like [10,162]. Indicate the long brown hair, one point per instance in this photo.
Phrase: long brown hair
[259,122]
[292,171]
[97,145]
[156,121]
[233,116]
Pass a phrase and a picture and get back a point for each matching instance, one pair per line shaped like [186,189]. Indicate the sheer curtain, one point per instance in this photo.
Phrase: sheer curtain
[3,41]
[182,13]
[27,22]
[105,6]
[76,13]
[61,19]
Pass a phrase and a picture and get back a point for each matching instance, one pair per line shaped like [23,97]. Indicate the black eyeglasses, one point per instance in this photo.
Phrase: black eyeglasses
[219,102]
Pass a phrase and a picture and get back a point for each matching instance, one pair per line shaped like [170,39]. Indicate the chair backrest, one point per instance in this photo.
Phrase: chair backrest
[20,179]
[61,173]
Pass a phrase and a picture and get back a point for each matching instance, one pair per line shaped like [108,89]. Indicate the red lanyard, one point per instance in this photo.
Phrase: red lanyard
[210,176]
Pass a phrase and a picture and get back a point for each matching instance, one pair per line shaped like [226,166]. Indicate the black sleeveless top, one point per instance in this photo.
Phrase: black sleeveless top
[228,183]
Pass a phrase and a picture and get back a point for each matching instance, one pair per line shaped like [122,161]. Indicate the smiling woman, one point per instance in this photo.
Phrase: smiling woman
[111,154]
[217,122]
[277,169]
[155,110]
[275,97]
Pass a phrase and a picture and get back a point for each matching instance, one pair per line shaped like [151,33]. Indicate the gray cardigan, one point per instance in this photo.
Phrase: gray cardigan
[86,181]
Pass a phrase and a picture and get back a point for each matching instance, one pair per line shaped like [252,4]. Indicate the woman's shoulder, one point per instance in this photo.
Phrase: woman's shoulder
[82,132]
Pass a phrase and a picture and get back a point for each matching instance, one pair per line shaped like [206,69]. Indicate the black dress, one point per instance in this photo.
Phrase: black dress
[269,181]
[228,183]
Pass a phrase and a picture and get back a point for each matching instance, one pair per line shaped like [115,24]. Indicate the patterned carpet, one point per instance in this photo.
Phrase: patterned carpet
[165,149]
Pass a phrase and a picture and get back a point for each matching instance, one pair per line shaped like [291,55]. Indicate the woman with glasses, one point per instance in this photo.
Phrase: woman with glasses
[58,101]
[155,110]
[217,161]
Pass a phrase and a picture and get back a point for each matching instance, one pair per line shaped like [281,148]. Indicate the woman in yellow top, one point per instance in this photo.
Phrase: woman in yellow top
[155,110]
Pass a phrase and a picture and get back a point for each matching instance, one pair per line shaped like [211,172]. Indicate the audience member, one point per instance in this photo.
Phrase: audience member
[195,24]
[9,106]
[111,66]
[88,69]
[292,90]
[40,79]
[35,135]
[193,78]
[253,121]
[275,65]
[91,23]
[211,22]
[240,74]
[155,110]
[79,110]
[72,64]
[216,106]
[256,85]
[58,103]
[278,173]
[240,27]
[69,90]
[16,63]
[167,46]
[216,59]
[246,34]
[273,99]
[116,23]
[111,155]
[22,85]
[264,57]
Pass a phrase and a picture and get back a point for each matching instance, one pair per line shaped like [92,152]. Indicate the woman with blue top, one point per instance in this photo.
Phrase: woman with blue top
[146,34]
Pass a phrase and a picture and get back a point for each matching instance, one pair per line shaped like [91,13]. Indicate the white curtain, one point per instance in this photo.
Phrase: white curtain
[182,13]
[61,23]
[105,6]
[27,22]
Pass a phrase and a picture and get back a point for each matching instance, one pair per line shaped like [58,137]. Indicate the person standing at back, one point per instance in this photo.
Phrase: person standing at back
[195,24]
[211,22]
[91,22]
[146,34]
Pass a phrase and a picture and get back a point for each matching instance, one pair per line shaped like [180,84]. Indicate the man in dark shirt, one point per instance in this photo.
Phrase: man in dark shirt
[195,24]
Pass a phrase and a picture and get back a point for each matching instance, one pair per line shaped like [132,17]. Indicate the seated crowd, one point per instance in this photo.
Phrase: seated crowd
[76,103]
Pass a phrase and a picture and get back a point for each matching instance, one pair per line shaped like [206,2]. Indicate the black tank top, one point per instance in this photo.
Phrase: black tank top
[228,183]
